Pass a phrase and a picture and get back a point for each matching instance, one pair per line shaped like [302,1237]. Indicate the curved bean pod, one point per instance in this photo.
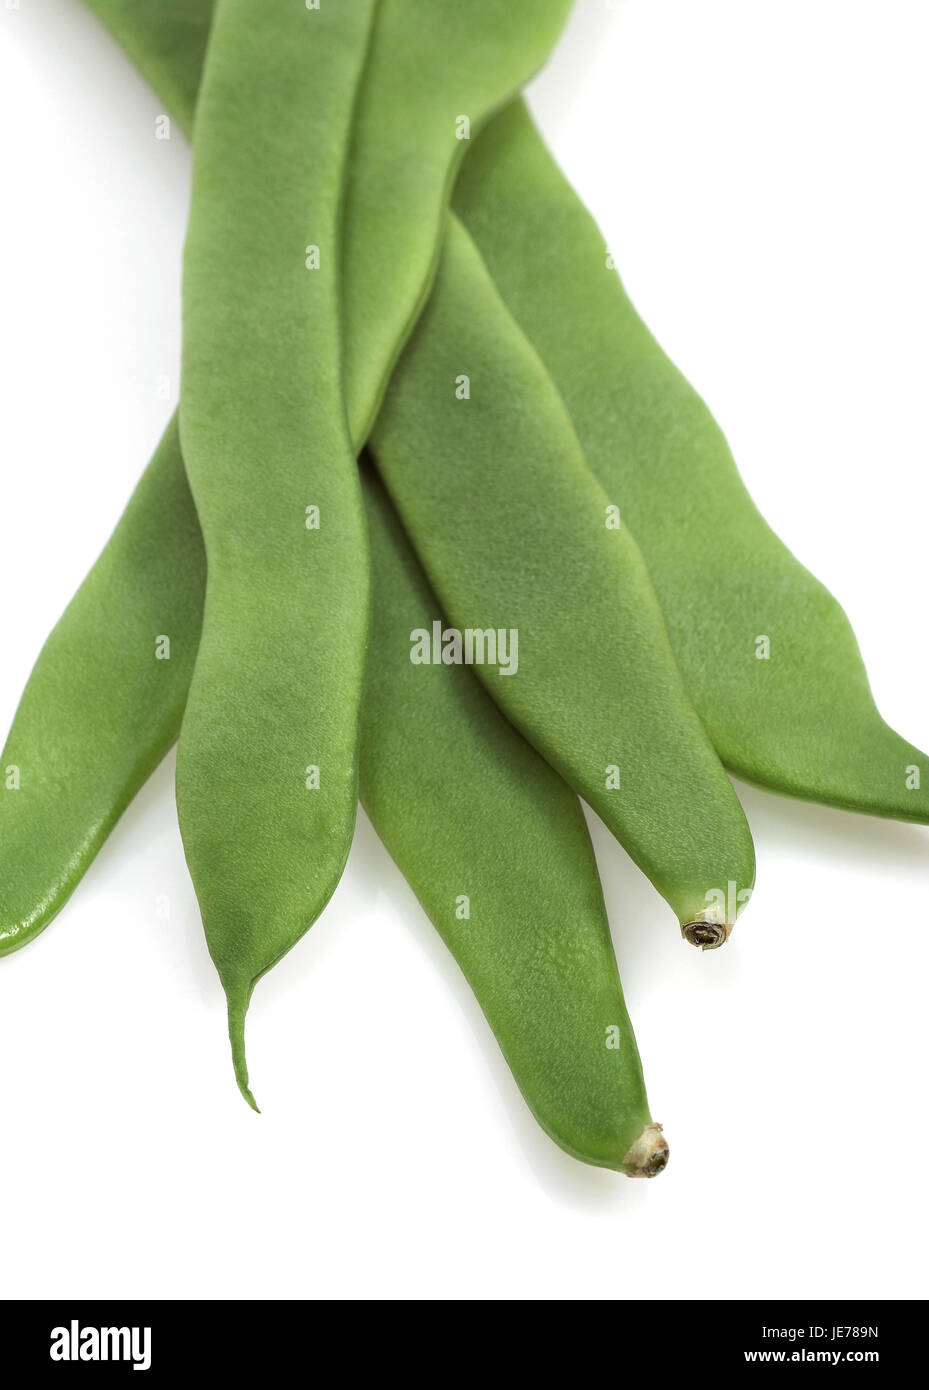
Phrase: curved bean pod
[104,702]
[800,721]
[280,173]
[267,761]
[496,849]
[514,532]
[435,74]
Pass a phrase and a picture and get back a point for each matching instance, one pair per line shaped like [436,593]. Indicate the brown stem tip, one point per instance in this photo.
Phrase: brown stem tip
[709,936]
[648,1156]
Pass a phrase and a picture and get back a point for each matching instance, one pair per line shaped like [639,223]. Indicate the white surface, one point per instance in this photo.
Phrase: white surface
[759,170]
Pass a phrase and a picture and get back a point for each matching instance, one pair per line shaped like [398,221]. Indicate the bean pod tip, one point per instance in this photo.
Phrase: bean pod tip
[648,1156]
[708,936]
[237,1011]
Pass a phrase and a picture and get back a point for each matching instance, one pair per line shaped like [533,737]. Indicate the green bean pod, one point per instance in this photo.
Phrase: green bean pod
[768,655]
[267,781]
[83,742]
[514,531]
[496,849]
[270,161]
[434,76]
[436,72]
[104,701]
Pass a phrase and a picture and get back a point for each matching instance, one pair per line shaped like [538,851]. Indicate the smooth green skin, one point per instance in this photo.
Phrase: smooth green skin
[514,535]
[278,680]
[100,710]
[428,64]
[802,723]
[466,807]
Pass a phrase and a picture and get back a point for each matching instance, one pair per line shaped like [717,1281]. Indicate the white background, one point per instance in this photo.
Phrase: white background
[760,173]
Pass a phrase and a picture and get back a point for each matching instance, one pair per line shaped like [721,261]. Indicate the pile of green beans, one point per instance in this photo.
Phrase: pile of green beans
[512,407]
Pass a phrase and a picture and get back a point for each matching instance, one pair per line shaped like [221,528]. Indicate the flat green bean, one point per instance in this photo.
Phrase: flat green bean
[104,701]
[514,532]
[768,655]
[270,160]
[267,781]
[435,74]
[496,848]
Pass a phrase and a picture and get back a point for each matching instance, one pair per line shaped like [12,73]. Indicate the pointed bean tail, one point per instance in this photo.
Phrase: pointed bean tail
[237,1000]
